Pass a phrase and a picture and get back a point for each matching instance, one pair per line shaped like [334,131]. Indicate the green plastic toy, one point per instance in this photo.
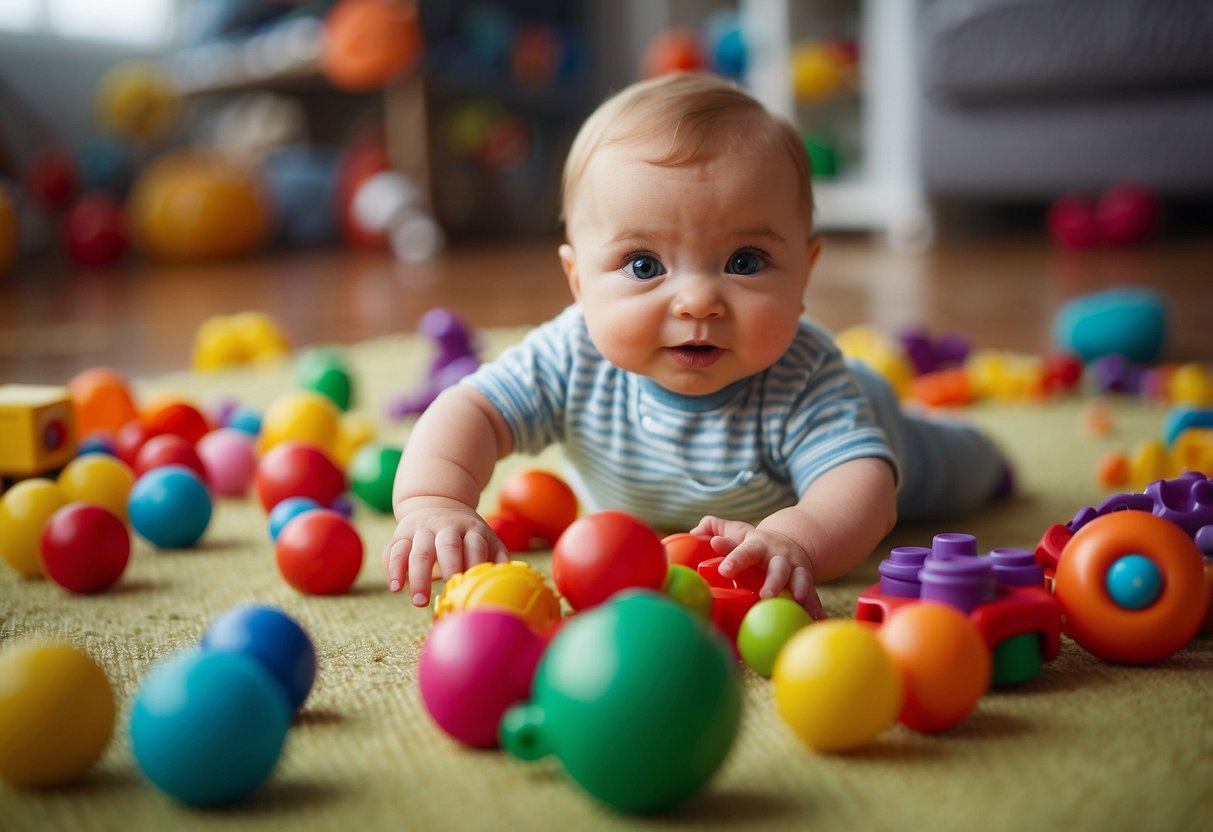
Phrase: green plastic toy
[372,473]
[325,371]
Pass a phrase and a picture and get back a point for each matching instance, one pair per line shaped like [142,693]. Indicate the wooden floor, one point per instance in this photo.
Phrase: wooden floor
[141,318]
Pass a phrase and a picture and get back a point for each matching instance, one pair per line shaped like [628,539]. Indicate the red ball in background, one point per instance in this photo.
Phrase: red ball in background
[177,418]
[129,439]
[1071,222]
[319,553]
[168,449]
[84,548]
[675,50]
[688,550]
[1128,214]
[512,530]
[94,231]
[51,178]
[543,500]
[297,469]
[603,553]
[363,157]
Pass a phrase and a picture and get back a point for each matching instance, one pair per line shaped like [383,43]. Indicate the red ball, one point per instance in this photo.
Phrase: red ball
[129,440]
[1071,222]
[1128,214]
[51,178]
[84,547]
[543,500]
[603,553]
[512,530]
[95,232]
[177,418]
[168,449]
[688,550]
[297,469]
[319,553]
[675,50]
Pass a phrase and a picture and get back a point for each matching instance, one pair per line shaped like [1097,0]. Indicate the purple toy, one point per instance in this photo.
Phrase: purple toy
[1186,501]
[475,664]
[455,358]
[929,354]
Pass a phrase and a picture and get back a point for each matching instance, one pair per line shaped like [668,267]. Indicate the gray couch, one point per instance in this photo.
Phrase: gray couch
[1025,99]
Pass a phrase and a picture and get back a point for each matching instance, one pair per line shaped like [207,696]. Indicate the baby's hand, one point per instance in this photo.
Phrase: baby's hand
[442,530]
[785,562]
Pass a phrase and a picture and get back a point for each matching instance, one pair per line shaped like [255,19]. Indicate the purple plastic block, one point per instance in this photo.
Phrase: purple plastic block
[961,580]
[951,350]
[920,351]
[1186,501]
[953,543]
[899,571]
[1116,374]
[1204,541]
[1016,567]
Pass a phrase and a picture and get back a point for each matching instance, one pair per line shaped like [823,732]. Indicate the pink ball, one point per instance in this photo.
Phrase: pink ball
[474,665]
[1128,214]
[230,459]
[1071,222]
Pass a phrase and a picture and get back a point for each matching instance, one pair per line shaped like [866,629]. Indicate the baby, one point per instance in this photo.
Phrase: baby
[683,383]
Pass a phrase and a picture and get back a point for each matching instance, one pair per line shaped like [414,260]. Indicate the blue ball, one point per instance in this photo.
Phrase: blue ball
[170,507]
[303,191]
[1134,582]
[97,443]
[246,420]
[208,728]
[1128,321]
[274,639]
[287,510]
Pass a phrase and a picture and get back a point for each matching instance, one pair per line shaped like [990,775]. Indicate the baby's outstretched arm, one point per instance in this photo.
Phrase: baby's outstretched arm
[836,524]
[446,463]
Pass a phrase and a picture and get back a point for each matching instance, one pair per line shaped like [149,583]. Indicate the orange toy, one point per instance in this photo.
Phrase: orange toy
[102,400]
[675,50]
[945,665]
[686,549]
[370,42]
[942,388]
[541,499]
[1110,630]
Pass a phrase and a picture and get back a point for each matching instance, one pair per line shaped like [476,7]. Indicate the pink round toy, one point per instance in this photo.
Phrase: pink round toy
[473,667]
[1071,222]
[94,230]
[84,548]
[168,449]
[230,458]
[1128,214]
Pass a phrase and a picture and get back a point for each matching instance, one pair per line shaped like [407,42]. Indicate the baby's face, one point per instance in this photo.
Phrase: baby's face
[692,275]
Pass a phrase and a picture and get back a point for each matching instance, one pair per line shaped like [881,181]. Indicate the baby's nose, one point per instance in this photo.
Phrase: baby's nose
[698,296]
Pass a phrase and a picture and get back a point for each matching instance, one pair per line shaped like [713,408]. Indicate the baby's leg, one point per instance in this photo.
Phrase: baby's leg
[948,468]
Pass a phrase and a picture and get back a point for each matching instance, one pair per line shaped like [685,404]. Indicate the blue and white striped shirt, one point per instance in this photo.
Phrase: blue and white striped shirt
[740,453]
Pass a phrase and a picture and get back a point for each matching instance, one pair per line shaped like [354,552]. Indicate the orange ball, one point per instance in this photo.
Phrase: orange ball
[541,499]
[675,50]
[102,400]
[176,418]
[944,662]
[685,549]
[369,42]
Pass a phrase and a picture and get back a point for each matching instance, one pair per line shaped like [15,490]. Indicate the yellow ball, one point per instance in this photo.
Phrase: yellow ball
[24,510]
[356,430]
[818,70]
[260,335]
[56,713]
[100,479]
[836,686]
[302,416]
[515,587]
[138,99]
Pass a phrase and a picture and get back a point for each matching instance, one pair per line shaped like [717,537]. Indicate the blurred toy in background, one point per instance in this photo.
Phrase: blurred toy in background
[95,230]
[363,156]
[106,164]
[255,123]
[389,203]
[37,429]
[725,45]
[8,231]
[369,43]
[822,69]
[50,178]
[1130,322]
[674,50]
[227,340]
[302,185]
[139,100]
[1127,214]
[455,357]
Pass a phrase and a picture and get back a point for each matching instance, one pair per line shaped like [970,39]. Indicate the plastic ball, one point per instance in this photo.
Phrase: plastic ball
[284,511]
[819,70]
[303,192]
[1134,582]
[274,639]
[674,50]
[362,158]
[191,205]
[1071,222]
[370,42]
[319,553]
[381,198]
[650,732]
[515,587]
[373,474]
[514,532]
[8,232]
[603,553]
[301,416]
[102,400]
[326,372]
[94,230]
[687,587]
[105,165]
[836,686]
[97,442]
[56,713]
[229,457]
[1128,214]
[51,178]
[475,665]
[24,511]
[138,99]
[538,56]
[766,628]
[129,439]
[945,664]
[543,500]
[207,728]
[688,550]
[177,418]
[100,479]
[168,449]
[1130,322]
[296,469]
[84,548]
[726,46]
[246,420]
[170,507]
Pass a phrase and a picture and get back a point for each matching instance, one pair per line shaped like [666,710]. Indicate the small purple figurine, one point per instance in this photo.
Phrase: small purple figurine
[455,358]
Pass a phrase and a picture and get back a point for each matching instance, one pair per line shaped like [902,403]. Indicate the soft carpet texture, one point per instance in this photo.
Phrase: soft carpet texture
[1086,745]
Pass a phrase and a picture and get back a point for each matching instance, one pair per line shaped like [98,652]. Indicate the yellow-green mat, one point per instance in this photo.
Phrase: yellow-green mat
[1086,745]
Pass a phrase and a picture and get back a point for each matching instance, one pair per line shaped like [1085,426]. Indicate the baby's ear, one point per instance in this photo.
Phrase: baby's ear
[568,261]
[814,250]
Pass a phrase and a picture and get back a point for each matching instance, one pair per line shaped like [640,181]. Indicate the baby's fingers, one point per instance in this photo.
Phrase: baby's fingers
[806,594]
[421,567]
[739,558]
[395,556]
[779,569]
[449,546]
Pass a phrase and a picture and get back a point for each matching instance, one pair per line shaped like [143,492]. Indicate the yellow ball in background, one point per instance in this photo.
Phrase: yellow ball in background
[302,416]
[836,685]
[138,99]
[24,510]
[100,479]
[56,713]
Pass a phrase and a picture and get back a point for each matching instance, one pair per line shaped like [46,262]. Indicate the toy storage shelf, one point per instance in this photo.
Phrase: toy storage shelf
[883,191]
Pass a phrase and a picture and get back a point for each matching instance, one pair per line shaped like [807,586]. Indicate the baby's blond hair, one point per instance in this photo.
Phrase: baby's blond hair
[700,114]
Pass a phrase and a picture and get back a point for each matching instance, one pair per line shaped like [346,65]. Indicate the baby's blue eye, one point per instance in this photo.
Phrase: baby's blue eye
[746,262]
[644,267]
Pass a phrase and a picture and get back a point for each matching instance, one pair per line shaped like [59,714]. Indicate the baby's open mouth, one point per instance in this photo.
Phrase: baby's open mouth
[696,354]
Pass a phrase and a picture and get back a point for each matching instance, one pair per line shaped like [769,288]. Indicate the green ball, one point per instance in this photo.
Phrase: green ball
[766,628]
[639,698]
[372,474]
[687,587]
[326,372]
